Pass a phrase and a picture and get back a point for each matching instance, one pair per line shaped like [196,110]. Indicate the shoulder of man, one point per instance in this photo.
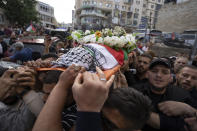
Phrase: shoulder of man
[178,94]
[142,86]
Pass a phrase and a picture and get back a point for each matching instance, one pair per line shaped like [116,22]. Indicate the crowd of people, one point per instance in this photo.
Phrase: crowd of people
[148,93]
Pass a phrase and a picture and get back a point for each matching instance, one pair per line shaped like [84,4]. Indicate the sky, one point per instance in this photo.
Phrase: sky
[62,9]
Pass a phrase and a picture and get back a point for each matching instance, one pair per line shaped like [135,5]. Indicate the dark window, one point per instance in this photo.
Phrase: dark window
[136,15]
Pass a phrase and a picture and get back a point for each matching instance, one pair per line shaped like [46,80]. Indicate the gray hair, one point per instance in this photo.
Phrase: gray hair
[18,44]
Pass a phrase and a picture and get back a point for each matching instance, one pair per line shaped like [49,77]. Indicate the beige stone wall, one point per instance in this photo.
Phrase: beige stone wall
[178,17]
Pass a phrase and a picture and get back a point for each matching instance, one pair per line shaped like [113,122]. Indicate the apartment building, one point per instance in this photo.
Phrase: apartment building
[98,14]
[149,15]
[46,14]
[132,14]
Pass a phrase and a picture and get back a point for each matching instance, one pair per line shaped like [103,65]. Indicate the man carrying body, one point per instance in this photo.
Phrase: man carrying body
[158,89]
[142,66]
[186,79]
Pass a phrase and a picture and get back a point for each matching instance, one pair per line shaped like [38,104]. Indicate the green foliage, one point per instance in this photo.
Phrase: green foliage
[21,12]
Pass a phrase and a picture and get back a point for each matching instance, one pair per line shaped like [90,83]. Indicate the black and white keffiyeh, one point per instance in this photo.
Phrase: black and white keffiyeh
[78,56]
[88,56]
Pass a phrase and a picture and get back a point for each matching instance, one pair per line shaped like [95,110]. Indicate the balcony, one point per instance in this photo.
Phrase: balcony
[94,6]
[93,13]
[128,1]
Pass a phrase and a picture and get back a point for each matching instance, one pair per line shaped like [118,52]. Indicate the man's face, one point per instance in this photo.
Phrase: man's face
[180,62]
[159,76]
[114,120]
[143,64]
[187,78]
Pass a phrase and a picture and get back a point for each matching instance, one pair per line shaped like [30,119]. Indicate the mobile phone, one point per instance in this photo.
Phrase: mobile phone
[133,71]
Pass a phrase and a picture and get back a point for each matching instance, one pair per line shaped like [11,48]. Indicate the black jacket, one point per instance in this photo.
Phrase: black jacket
[5,48]
[172,94]
[88,121]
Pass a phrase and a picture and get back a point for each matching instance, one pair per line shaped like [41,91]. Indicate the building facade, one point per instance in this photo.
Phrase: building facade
[3,20]
[183,16]
[181,1]
[149,15]
[133,14]
[98,14]
[46,14]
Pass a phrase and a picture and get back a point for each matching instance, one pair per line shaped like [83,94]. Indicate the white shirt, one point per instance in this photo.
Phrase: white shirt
[1,49]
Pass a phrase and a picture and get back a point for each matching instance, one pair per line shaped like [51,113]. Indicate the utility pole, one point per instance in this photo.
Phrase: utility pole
[146,22]
[150,26]
[193,51]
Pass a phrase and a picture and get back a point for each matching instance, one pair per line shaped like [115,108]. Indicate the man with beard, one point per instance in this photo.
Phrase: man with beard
[179,63]
[143,63]
[159,89]
[186,79]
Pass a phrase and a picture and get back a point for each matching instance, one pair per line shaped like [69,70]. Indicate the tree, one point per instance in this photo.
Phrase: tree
[20,12]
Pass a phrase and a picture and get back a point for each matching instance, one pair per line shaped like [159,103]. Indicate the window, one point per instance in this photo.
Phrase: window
[136,15]
[1,18]
[108,5]
[152,6]
[135,22]
[159,1]
[144,5]
[129,8]
[137,2]
[116,6]
[100,4]
[137,10]
[124,7]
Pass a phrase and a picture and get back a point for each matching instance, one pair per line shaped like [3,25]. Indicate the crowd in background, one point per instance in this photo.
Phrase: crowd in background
[148,93]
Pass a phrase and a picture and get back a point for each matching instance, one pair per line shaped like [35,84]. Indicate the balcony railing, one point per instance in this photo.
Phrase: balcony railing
[128,1]
[92,13]
[94,6]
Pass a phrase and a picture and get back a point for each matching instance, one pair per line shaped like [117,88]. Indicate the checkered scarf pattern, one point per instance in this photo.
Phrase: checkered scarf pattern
[78,56]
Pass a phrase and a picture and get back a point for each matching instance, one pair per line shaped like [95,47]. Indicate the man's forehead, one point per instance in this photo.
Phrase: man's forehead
[189,70]
[160,67]
[144,58]
[182,59]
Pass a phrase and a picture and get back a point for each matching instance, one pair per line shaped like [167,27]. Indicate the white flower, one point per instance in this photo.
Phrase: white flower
[100,40]
[87,32]
[76,35]
[89,39]
[93,40]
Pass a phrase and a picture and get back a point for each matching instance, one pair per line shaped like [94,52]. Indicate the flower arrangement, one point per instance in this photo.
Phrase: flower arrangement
[116,39]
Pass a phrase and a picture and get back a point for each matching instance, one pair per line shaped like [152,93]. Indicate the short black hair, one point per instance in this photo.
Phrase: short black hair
[52,77]
[50,55]
[147,55]
[187,66]
[132,104]
[160,61]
